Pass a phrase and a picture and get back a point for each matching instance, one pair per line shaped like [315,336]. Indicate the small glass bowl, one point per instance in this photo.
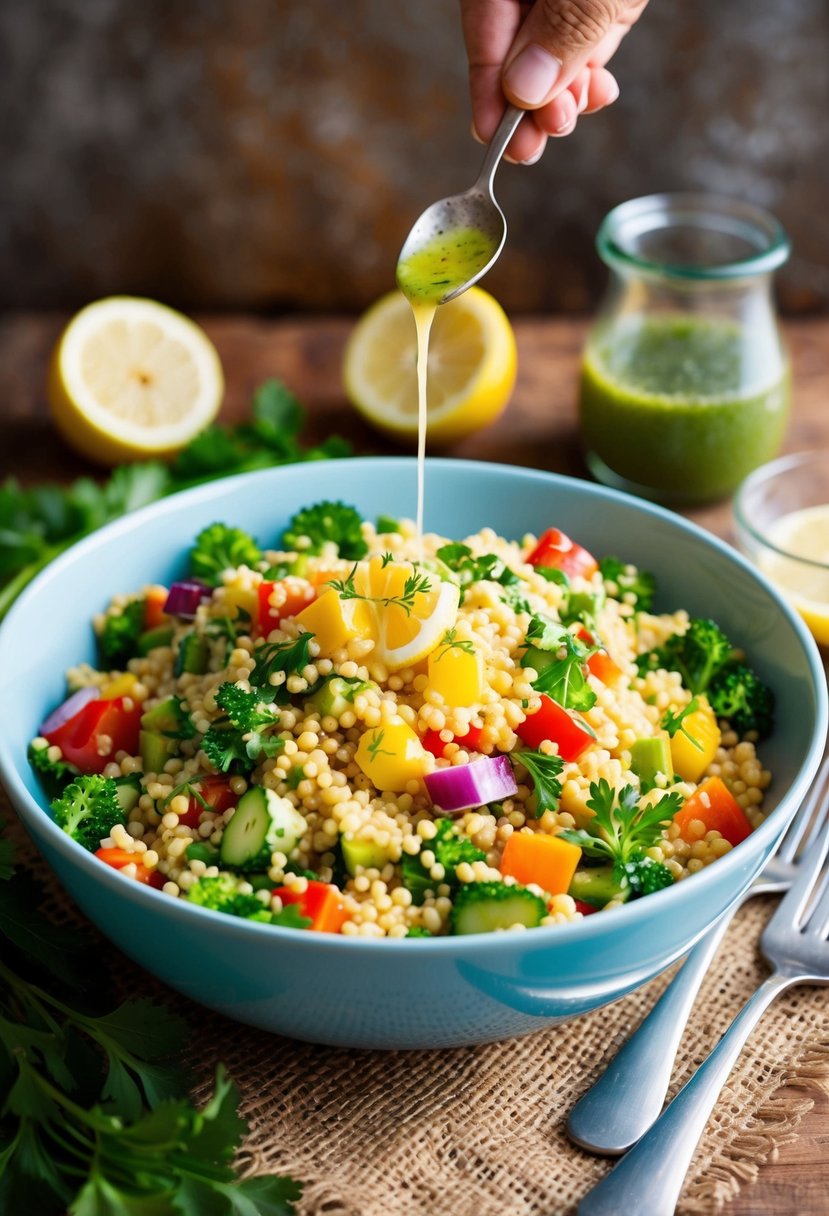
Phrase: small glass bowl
[781,513]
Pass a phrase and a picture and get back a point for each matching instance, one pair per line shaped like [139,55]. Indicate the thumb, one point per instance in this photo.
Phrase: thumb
[552,45]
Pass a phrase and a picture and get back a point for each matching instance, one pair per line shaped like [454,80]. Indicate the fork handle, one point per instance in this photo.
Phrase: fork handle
[627,1098]
[649,1179]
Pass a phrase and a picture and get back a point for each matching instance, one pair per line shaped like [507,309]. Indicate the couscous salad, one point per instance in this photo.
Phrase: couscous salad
[365,732]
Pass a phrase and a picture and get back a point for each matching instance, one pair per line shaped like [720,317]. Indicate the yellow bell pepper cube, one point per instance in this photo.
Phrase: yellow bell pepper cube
[335,621]
[391,756]
[457,673]
[244,598]
[121,686]
[691,756]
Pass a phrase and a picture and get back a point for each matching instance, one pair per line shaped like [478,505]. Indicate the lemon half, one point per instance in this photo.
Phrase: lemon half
[805,534]
[472,366]
[405,628]
[131,378]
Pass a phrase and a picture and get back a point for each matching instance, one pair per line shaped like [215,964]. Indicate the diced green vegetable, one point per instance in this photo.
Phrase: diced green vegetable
[193,655]
[649,757]
[365,854]
[482,907]
[151,639]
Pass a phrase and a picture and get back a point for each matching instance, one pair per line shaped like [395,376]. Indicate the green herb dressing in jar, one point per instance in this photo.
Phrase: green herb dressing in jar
[685,381]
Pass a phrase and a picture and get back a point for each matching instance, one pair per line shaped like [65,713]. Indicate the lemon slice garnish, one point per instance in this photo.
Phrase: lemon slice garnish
[406,628]
[472,366]
[131,379]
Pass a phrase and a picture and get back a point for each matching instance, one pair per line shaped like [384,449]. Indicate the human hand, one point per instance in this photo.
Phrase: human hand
[547,57]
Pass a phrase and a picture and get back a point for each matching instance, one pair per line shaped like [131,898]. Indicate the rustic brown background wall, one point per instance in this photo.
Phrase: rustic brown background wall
[271,155]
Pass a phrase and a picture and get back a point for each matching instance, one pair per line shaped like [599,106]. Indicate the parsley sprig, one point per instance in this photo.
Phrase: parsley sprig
[624,825]
[94,1113]
[674,723]
[564,676]
[38,524]
[280,658]
[544,773]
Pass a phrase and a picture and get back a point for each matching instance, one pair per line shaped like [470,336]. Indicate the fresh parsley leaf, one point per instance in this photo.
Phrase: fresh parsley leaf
[672,722]
[544,773]
[623,822]
[564,677]
[280,658]
[471,569]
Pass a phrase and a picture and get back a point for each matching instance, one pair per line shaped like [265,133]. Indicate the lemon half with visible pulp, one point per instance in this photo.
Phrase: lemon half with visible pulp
[471,367]
[804,534]
[131,379]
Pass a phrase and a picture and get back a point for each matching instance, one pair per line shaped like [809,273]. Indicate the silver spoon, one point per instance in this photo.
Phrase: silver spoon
[474,209]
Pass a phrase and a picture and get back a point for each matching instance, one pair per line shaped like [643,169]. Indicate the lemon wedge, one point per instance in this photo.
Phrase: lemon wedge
[471,369]
[804,534]
[412,611]
[131,379]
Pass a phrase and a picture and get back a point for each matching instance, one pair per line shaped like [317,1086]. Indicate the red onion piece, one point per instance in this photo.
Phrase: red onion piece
[466,785]
[184,597]
[71,706]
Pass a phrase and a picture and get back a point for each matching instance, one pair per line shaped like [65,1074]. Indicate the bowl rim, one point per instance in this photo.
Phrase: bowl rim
[631,915]
[767,472]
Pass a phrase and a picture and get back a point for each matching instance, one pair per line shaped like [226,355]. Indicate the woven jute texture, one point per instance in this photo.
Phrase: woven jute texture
[479,1131]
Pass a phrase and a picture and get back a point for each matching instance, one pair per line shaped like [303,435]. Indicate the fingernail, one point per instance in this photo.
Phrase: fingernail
[569,113]
[583,98]
[532,75]
[475,134]
[614,93]
[532,160]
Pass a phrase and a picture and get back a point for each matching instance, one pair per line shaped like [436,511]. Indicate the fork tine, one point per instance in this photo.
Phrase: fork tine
[818,922]
[794,903]
[805,819]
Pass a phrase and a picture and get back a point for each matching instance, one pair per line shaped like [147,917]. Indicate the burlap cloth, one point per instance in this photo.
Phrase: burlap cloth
[479,1131]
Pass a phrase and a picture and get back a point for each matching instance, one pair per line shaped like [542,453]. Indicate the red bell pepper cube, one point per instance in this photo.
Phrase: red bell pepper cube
[713,804]
[556,549]
[585,909]
[470,741]
[298,594]
[320,901]
[552,723]
[91,738]
[214,789]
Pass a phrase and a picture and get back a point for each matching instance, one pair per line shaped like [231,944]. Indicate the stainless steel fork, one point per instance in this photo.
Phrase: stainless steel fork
[627,1098]
[648,1180]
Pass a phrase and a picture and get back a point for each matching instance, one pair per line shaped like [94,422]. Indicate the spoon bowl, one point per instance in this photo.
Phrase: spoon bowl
[456,240]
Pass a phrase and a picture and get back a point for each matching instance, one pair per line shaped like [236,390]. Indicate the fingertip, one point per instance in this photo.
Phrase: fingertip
[604,90]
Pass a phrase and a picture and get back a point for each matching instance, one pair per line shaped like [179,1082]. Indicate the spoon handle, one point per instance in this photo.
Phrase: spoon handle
[497,146]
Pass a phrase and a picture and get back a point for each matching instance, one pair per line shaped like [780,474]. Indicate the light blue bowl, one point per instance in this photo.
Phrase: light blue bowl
[421,993]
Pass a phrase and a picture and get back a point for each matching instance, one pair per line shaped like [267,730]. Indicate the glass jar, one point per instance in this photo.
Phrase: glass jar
[685,380]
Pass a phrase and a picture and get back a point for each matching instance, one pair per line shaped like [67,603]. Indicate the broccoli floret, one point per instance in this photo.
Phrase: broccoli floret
[636,587]
[219,548]
[118,639]
[244,734]
[54,774]
[482,907]
[738,694]
[450,850]
[698,654]
[221,893]
[88,810]
[643,875]
[327,521]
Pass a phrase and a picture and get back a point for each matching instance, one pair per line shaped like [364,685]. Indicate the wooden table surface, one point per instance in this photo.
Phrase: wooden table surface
[539,430]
